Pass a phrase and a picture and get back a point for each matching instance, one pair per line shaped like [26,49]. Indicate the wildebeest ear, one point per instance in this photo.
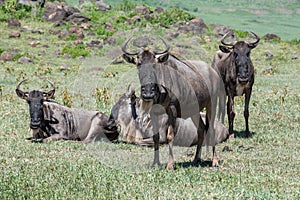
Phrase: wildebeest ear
[129,59]
[21,94]
[224,49]
[252,46]
[162,58]
[48,95]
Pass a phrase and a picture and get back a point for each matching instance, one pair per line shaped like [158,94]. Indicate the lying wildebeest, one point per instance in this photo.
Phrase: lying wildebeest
[138,129]
[52,121]
[181,89]
[237,71]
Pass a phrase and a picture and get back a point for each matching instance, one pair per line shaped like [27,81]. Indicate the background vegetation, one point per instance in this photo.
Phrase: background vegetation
[265,166]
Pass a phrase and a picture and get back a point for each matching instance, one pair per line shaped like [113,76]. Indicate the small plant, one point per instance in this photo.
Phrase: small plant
[67,98]
[76,51]
[126,6]
[102,96]
[43,70]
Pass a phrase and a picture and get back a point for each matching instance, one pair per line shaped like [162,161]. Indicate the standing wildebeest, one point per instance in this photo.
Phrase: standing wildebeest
[52,121]
[178,88]
[138,129]
[237,71]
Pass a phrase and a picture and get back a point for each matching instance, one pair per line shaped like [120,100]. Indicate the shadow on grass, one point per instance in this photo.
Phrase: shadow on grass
[203,163]
[242,134]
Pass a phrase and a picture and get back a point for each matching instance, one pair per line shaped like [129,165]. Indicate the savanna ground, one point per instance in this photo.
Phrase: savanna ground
[265,166]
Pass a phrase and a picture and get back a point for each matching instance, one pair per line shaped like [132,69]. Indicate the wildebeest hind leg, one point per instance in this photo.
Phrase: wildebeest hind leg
[197,120]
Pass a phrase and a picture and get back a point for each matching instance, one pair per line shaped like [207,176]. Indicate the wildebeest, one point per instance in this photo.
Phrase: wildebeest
[52,121]
[181,89]
[137,129]
[237,71]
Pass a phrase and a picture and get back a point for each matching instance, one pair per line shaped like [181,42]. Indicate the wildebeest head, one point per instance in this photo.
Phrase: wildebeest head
[35,99]
[146,61]
[124,109]
[240,52]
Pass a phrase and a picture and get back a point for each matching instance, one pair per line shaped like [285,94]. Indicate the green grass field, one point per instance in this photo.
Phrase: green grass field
[276,16]
[265,166]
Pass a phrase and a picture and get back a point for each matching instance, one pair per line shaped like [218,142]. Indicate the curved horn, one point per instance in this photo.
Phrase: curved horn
[166,45]
[19,92]
[48,95]
[254,44]
[124,48]
[225,36]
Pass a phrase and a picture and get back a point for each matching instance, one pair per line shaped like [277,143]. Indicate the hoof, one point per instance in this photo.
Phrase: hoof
[170,167]
[215,163]
[196,161]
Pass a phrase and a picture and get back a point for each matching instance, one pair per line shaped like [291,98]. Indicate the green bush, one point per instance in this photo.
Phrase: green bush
[13,9]
[173,15]
[76,51]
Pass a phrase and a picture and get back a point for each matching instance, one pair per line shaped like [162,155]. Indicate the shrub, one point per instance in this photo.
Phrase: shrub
[16,10]
[76,51]
[173,15]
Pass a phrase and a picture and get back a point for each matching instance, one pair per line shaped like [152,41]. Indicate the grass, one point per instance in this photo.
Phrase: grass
[265,166]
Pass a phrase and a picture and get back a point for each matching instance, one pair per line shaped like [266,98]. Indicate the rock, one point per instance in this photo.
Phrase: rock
[109,27]
[6,56]
[39,31]
[12,22]
[54,11]
[77,18]
[269,55]
[143,10]
[266,70]
[94,44]
[59,11]
[195,26]
[14,34]
[34,43]
[26,28]
[67,56]
[25,60]
[109,40]
[63,34]
[220,30]
[76,42]
[136,18]
[158,10]
[65,67]
[271,36]
[54,32]
[79,34]
[102,6]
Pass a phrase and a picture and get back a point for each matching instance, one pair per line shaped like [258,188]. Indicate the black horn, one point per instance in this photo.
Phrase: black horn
[48,95]
[254,44]
[167,47]
[124,47]
[230,33]
[20,93]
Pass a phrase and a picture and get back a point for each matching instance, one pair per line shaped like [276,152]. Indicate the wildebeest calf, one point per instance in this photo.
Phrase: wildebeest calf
[52,121]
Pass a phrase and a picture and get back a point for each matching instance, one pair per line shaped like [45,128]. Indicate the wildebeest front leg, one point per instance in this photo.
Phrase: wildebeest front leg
[215,162]
[231,115]
[155,125]
[170,134]
[197,120]
[246,110]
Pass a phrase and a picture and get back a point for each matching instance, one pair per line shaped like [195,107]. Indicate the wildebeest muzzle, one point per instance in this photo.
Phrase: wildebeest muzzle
[149,91]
